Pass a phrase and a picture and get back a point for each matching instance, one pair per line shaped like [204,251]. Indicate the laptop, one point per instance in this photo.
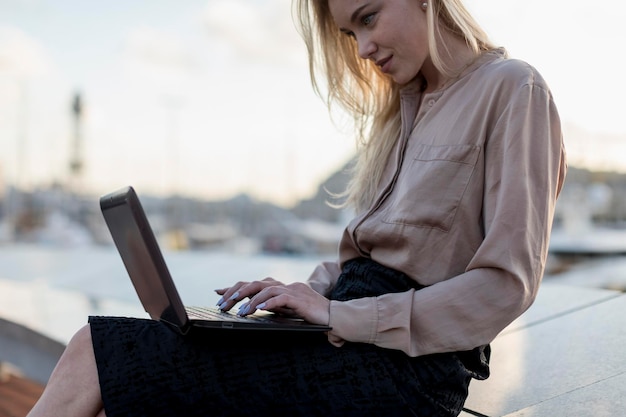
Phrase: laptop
[144,262]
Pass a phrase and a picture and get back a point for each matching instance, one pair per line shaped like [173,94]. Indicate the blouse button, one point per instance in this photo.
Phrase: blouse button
[431,102]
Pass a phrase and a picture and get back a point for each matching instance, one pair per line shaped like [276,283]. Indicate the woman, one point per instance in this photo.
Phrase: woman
[454,189]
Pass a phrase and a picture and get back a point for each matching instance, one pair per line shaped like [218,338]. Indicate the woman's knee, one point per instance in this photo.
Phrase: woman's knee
[80,348]
[82,337]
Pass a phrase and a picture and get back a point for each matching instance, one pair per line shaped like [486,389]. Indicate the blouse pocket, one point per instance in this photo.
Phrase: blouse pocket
[429,190]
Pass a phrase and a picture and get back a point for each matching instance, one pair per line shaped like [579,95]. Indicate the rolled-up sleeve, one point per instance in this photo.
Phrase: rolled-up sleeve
[324,277]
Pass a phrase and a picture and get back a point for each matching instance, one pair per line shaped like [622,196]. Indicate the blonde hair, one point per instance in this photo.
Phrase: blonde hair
[358,86]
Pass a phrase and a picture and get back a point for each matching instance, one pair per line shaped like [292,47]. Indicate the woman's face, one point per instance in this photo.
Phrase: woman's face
[392,33]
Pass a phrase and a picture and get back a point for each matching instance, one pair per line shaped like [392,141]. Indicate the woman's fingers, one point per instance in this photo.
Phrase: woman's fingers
[241,290]
[228,294]
[297,299]
[271,299]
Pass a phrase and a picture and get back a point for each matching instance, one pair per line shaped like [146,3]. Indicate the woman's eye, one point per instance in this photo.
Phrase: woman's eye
[367,19]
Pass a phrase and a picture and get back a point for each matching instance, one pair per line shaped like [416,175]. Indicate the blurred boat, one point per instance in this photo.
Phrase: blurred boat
[593,241]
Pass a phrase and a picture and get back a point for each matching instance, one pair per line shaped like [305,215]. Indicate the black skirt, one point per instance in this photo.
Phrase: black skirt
[146,369]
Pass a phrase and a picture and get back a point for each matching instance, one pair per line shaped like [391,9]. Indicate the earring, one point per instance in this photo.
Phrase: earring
[424,5]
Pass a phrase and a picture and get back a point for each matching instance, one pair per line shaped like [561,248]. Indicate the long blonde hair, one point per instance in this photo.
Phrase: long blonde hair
[358,86]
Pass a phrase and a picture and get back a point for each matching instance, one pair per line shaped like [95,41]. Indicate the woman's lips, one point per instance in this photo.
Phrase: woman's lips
[384,64]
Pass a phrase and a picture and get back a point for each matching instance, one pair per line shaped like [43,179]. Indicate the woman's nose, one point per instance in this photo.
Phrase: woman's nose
[366,47]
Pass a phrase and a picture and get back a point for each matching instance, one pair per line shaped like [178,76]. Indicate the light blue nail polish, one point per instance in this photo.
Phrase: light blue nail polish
[223,305]
[234,296]
[220,301]
[243,310]
[260,306]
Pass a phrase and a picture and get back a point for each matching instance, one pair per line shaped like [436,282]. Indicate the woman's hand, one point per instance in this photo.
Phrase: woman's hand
[296,299]
[239,291]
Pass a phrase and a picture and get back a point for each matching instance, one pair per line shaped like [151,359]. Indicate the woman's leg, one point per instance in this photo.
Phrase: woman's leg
[73,388]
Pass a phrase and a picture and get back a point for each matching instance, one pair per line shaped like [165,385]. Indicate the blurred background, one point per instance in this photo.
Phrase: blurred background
[206,108]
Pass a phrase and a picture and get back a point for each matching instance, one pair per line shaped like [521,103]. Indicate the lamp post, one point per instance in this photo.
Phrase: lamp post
[76,163]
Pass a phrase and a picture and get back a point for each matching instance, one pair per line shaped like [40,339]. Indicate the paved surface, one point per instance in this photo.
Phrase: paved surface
[563,357]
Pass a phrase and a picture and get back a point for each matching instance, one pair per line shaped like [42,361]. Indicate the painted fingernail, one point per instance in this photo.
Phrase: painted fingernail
[260,306]
[243,310]
[220,301]
[234,296]
[223,305]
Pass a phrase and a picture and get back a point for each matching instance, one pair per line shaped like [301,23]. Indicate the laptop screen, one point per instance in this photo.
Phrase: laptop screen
[142,257]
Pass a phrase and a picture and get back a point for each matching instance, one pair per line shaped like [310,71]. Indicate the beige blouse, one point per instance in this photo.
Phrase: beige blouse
[465,207]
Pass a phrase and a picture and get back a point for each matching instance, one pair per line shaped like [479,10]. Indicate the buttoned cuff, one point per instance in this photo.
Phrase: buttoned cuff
[353,321]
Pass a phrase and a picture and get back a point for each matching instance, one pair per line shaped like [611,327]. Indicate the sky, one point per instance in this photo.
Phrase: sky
[212,98]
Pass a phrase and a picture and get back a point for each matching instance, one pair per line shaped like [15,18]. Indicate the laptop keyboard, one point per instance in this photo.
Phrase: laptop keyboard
[207,313]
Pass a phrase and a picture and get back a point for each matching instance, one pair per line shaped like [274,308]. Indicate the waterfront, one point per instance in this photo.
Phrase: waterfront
[52,290]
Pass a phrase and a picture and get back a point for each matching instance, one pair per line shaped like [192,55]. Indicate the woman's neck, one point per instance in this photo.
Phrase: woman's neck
[458,57]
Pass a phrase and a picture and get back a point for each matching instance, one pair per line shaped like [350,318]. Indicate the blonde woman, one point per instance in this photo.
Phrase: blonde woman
[460,164]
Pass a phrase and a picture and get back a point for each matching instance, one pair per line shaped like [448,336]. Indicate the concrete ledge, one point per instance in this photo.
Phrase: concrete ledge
[33,354]
[563,357]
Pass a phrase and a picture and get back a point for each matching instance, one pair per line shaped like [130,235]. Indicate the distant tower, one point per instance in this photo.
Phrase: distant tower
[76,162]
